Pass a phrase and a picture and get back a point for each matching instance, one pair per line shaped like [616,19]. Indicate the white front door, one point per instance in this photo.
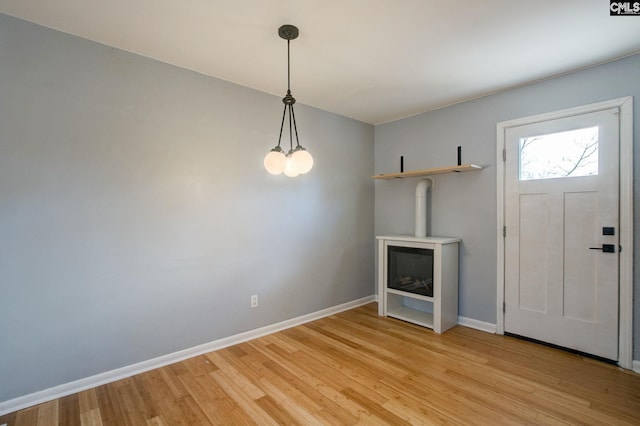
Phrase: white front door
[562,232]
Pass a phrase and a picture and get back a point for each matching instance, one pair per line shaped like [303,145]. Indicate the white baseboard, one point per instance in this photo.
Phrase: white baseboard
[65,389]
[636,366]
[478,325]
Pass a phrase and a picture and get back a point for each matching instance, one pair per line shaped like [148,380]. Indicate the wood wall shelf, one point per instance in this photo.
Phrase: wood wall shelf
[427,172]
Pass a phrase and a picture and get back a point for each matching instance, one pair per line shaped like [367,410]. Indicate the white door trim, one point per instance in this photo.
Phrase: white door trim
[625,104]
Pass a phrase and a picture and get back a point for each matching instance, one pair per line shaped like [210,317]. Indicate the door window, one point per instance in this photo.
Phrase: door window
[570,153]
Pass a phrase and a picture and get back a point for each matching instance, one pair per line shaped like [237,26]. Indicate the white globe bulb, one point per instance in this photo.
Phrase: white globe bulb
[275,162]
[303,160]
[290,169]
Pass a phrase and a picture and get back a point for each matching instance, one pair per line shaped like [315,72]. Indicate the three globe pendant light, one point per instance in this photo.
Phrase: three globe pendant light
[298,160]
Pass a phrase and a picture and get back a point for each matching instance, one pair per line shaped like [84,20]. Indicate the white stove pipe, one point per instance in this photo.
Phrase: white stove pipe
[421,206]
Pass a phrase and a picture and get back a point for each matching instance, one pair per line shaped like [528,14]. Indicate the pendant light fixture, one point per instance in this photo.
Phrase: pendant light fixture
[297,160]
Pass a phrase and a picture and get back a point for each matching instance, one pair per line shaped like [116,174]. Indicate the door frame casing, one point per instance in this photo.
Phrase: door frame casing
[625,105]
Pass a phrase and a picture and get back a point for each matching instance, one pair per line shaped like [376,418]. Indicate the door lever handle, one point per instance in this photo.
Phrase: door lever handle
[606,248]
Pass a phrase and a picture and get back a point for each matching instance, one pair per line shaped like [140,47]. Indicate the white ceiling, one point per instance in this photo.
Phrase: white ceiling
[372,60]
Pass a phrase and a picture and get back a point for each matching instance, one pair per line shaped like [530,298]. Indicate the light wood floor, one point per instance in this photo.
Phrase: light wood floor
[356,367]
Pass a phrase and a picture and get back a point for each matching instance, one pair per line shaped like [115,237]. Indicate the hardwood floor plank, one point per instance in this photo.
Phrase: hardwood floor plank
[549,420]
[291,386]
[325,398]
[373,407]
[48,413]
[300,415]
[253,391]
[245,401]
[91,418]
[320,366]
[173,382]
[358,368]
[325,393]
[27,417]
[8,419]
[278,340]
[133,409]
[339,355]
[110,410]
[69,410]
[199,365]
[161,397]
[487,394]
[157,421]
[209,398]
[87,400]
[275,411]
[191,411]
[313,393]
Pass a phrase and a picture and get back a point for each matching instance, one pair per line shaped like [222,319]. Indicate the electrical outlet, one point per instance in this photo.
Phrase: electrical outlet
[254,301]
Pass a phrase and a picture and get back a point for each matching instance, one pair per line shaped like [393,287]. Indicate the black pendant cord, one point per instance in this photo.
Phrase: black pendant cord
[284,112]
[291,113]
[288,67]
[290,134]
[295,127]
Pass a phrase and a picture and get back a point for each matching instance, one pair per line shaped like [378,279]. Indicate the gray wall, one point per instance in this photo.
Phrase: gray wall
[136,218]
[464,205]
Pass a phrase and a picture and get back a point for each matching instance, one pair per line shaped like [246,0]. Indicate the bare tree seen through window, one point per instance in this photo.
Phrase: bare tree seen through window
[555,155]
